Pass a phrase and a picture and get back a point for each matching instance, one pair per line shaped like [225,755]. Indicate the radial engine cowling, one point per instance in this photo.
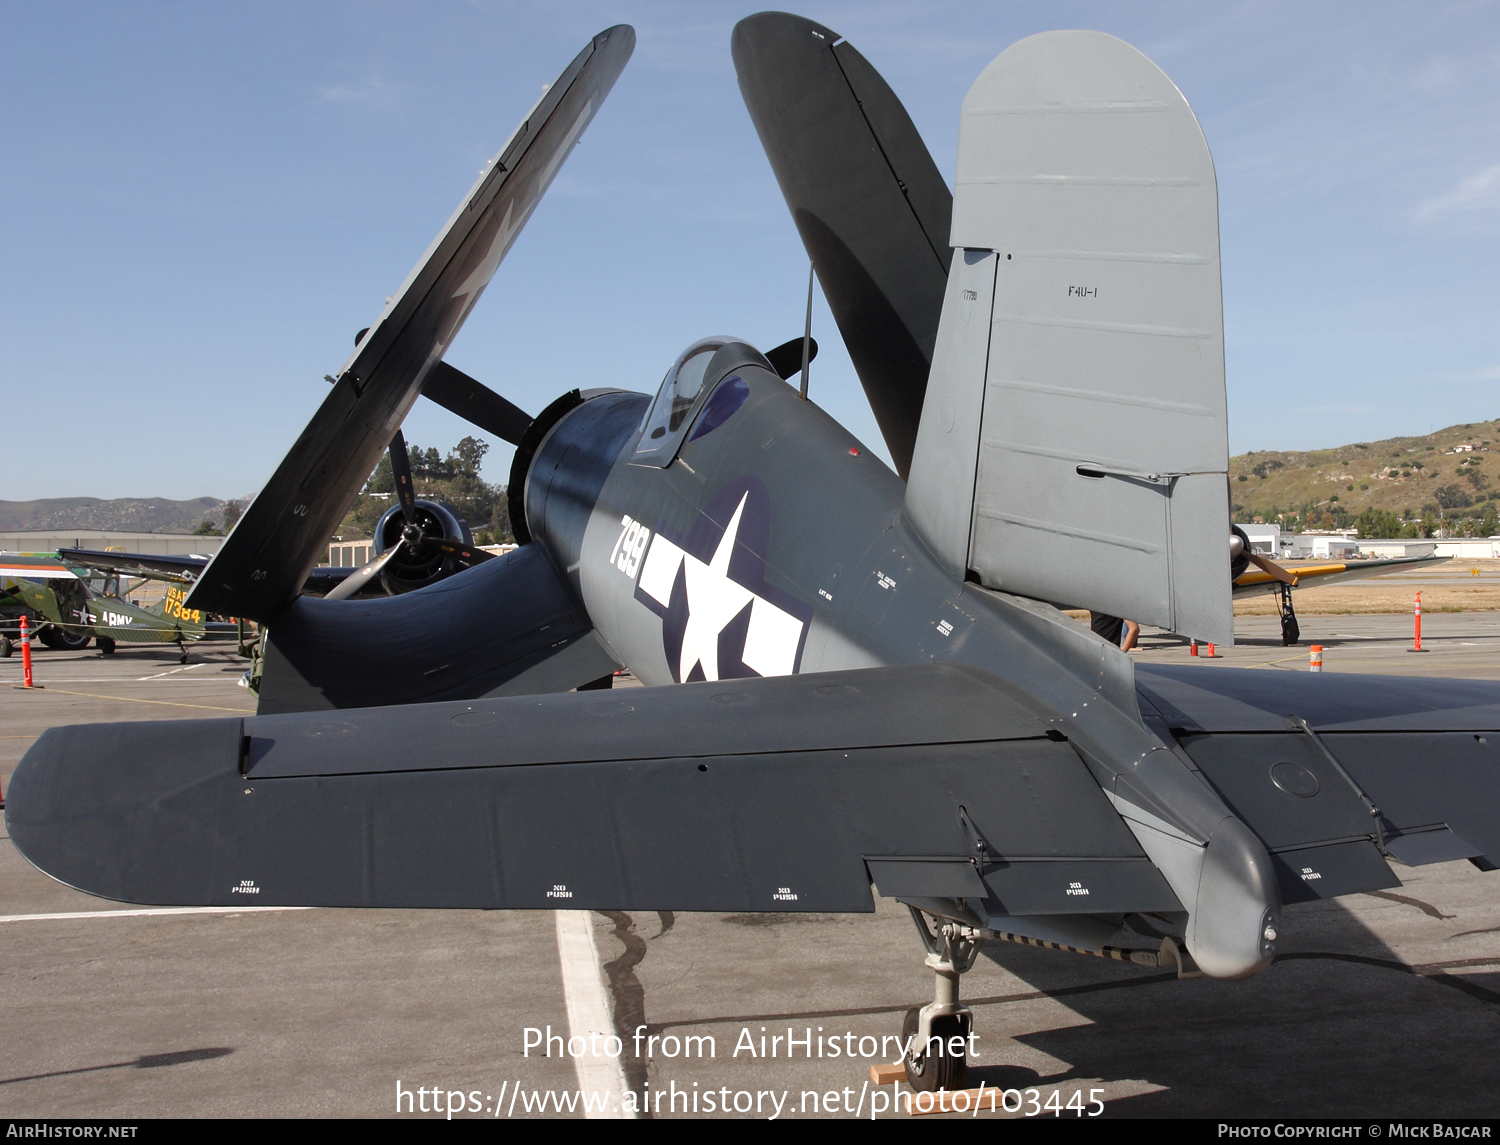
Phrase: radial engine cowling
[421,564]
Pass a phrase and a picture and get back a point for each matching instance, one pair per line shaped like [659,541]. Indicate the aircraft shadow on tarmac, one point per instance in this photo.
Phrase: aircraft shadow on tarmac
[1339,1026]
[145,1061]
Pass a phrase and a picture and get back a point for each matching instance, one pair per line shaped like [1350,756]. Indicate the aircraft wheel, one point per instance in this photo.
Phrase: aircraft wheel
[106,646]
[5,647]
[62,639]
[939,1070]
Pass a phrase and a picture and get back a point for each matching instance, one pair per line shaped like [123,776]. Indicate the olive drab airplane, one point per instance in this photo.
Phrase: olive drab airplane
[855,676]
[74,609]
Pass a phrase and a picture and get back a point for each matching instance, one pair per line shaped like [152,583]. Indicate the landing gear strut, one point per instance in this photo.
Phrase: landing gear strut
[1291,632]
[939,1032]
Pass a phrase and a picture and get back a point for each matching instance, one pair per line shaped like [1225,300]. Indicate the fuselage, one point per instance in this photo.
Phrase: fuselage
[772,541]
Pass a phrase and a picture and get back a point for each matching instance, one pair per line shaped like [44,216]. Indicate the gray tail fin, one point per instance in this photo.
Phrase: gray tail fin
[1074,439]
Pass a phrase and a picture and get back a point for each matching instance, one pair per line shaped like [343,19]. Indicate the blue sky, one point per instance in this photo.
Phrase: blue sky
[200,205]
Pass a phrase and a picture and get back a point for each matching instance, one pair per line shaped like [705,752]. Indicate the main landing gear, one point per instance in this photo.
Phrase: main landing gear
[1291,631]
[937,1034]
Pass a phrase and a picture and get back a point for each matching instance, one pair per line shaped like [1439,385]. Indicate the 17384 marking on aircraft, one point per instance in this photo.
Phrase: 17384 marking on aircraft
[854,674]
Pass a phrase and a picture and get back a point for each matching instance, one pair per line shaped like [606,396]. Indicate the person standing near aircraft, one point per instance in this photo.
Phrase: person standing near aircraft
[1122,633]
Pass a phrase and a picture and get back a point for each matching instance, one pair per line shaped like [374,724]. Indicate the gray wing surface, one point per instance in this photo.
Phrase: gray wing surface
[779,794]
[1336,772]
[266,558]
[871,207]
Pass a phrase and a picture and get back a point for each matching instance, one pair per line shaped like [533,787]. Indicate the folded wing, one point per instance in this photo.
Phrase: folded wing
[265,560]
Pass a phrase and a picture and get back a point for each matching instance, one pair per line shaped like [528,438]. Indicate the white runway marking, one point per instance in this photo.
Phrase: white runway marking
[173,672]
[589,1012]
[145,913]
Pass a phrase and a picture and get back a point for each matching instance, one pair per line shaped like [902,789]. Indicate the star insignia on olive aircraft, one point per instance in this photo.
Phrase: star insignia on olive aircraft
[857,675]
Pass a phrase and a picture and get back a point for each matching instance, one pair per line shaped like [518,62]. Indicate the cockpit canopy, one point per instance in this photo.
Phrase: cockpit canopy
[694,374]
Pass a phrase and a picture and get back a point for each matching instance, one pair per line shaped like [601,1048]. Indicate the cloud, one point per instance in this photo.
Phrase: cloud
[1475,192]
[373,94]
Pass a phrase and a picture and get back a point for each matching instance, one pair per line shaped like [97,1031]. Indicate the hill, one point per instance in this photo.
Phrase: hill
[1400,485]
[126,514]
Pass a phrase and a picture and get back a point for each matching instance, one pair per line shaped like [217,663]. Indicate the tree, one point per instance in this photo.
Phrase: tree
[233,511]
[207,528]
[1489,524]
[1377,523]
[468,455]
[1452,497]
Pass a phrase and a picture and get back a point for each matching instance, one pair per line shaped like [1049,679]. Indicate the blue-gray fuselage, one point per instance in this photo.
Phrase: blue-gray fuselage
[762,538]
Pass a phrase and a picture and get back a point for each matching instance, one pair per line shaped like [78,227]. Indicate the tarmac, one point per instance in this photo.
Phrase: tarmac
[1380,1005]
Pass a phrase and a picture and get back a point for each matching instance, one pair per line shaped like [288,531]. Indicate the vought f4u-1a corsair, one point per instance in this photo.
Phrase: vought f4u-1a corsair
[856,676]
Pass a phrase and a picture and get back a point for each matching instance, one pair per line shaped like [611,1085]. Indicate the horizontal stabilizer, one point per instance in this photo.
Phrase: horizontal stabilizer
[765,794]
[1073,444]
[1330,770]
[265,560]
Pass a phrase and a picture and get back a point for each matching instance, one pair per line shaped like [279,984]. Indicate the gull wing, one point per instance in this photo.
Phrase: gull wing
[770,794]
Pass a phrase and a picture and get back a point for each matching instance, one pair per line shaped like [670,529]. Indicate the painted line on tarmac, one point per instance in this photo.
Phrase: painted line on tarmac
[169,672]
[128,680]
[589,1013]
[164,703]
[146,913]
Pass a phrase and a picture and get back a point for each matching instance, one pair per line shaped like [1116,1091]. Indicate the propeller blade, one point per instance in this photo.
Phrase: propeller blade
[360,577]
[401,471]
[786,359]
[1270,566]
[475,402]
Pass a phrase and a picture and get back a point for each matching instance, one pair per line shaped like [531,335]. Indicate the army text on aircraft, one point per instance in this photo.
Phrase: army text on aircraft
[854,678]
[72,609]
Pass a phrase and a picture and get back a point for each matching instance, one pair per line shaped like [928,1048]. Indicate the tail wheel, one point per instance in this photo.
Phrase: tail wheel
[938,1069]
[106,646]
